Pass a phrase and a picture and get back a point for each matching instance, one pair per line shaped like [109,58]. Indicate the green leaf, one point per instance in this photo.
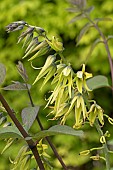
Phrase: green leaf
[17,86]
[2,73]
[80,4]
[82,32]
[29,115]
[102,19]
[59,130]
[110,37]
[97,41]
[73,9]
[97,82]
[89,10]
[78,17]
[10,132]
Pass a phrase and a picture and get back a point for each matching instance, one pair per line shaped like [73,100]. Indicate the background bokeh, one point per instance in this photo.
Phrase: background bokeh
[54,18]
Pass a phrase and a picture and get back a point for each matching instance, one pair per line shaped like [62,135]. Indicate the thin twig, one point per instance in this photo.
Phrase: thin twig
[106,45]
[47,138]
[30,142]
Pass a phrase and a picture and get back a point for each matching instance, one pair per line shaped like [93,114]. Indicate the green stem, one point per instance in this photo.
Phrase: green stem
[99,148]
[100,132]
[106,45]
[105,148]
[63,58]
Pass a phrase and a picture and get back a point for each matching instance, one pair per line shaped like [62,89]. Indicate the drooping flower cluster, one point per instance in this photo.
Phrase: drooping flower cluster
[68,94]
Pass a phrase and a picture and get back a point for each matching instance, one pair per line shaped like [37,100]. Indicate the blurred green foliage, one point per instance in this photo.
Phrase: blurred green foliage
[53,17]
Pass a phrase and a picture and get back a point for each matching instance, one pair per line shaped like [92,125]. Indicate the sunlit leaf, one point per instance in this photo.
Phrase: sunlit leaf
[73,9]
[102,19]
[97,82]
[59,130]
[97,41]
[110,37]
[9,132]
[2,73]
[89,10]
[82,32]
[78,17]
[17,86]
[29,115]
[79,3]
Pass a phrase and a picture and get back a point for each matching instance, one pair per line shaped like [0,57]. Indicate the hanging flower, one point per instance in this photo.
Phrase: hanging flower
[94,112]
[78,104]
[48,69]
[81,78]
[42,149]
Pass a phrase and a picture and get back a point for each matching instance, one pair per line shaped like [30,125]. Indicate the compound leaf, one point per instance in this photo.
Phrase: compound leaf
[82,32]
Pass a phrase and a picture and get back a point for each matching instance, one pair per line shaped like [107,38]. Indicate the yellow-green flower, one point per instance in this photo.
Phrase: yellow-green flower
[42,149]
[86,152]
[55,44]
[78,104]
[61,112]
[81,77]
[94,112]
[64,81]
[62,92]
[48,69]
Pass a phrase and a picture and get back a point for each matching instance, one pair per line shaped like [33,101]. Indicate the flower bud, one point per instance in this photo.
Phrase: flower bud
[102,139]
[55,44]
[66,71]
[29,31]
[110,120]
[86,152]
[95,158]
[107,134]
[49,61]
[39,30]
[44,50]
[50,73]
[14,26]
